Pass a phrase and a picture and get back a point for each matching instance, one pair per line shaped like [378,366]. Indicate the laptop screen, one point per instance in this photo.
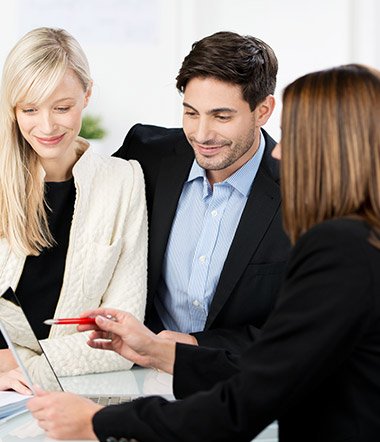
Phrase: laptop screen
[49,380]
[47,377]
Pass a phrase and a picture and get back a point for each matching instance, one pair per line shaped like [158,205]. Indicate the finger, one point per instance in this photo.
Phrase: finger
[18,386]
[18,383]
[102,345]
[44,400]
[99,334]
[87,327]
[36,404]
[107,313]
[39,391]
[40,415]
[112,325]
[42,421]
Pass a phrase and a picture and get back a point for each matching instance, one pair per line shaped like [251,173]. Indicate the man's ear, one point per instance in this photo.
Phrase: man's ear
[264,110]
[88,93]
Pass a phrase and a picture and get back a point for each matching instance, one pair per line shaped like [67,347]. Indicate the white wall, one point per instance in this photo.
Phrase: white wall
[135,47]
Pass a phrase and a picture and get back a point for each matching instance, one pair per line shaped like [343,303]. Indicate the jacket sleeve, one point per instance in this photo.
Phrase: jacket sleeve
[235,339]
[324,310]
[191,362]
[126,290]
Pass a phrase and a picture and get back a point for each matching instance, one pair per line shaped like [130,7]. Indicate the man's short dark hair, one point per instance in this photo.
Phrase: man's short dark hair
[233,58]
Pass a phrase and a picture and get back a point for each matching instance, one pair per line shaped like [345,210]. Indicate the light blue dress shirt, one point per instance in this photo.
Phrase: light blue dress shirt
[202,232]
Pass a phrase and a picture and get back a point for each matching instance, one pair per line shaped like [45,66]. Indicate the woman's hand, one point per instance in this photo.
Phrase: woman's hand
[14,380]
[7,361]
[123,333]
[64,415]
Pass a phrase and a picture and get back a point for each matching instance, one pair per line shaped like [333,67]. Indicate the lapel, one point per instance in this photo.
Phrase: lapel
[262,205]
[174,170]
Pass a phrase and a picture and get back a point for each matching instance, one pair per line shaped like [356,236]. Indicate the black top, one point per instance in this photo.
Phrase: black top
[315,366]
[40,284]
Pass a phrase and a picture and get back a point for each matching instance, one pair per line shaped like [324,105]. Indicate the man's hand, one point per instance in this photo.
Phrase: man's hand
[123,333]
[64,415]
[182,338]
[14,380]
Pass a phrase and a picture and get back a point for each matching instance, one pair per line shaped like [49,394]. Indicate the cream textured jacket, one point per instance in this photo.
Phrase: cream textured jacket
[106,265]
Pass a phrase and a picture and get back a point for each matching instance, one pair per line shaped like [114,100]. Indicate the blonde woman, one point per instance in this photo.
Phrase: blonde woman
[73,228]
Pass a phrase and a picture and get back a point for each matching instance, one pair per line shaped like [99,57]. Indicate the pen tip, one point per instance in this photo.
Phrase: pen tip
[49,321]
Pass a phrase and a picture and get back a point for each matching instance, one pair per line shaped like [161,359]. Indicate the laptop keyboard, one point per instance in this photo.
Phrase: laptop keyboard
[110,400]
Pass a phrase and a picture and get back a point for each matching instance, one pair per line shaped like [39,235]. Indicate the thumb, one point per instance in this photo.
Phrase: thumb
[107,324]
[38,391]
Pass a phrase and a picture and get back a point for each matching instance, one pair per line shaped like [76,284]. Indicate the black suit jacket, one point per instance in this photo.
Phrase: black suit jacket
[254,267]
[315,367]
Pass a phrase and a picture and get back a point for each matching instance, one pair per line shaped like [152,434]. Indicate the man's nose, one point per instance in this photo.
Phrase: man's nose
[203,130]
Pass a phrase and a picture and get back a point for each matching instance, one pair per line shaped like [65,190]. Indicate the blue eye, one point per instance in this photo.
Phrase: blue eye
[28,111]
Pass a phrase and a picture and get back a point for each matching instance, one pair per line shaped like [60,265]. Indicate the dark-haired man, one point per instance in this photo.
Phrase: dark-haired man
[217,250]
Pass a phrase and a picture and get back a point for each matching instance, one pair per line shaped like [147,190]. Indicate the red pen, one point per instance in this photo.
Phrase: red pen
[66,321]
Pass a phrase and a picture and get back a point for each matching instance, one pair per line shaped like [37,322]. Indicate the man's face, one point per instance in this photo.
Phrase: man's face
[220,126]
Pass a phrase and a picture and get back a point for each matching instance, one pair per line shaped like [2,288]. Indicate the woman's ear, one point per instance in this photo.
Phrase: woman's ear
[88,93]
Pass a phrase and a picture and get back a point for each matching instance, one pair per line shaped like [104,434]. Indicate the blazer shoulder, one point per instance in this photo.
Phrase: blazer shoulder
[145,140]
[347,238]
[270,165]
[342,229]
[149,133]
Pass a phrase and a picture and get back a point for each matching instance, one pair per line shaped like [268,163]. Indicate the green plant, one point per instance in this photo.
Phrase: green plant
[92,128]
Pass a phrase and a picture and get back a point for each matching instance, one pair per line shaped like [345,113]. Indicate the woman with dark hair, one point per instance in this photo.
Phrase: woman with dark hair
[316,365]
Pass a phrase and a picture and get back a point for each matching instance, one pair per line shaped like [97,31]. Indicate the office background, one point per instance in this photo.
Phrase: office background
[135,47]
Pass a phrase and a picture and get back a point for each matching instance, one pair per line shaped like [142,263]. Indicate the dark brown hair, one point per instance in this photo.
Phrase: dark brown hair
[242,60]
[330,149]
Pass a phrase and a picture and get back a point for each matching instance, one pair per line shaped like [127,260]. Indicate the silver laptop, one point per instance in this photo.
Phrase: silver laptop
[50,381]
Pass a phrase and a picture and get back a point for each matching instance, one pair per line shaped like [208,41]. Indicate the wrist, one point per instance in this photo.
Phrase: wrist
[90,434]
[163,355]
[194,340]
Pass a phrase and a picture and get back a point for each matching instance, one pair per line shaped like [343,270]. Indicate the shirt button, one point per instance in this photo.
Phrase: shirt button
[214,213]
[202,258]
[196,303]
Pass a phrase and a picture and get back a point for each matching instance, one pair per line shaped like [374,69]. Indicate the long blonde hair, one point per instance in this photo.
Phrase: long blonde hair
[330,145]
[31,72]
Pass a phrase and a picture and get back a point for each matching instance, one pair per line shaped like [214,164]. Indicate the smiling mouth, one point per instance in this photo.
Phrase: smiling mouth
[50,140]
[201,146]
[209,150]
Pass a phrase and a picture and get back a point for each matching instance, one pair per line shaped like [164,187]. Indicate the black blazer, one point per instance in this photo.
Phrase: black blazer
[315,367]
[254,267]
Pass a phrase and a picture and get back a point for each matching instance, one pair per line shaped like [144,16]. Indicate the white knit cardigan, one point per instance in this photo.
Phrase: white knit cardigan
[106,265]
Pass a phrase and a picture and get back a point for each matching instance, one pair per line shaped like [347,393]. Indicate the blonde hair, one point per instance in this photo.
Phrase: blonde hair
[31,72]
[330,159]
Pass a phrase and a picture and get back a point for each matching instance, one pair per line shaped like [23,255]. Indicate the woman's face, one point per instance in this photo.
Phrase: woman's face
[52,126]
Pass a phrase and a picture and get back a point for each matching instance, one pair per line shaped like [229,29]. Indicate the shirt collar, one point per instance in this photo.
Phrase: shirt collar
[242,179]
